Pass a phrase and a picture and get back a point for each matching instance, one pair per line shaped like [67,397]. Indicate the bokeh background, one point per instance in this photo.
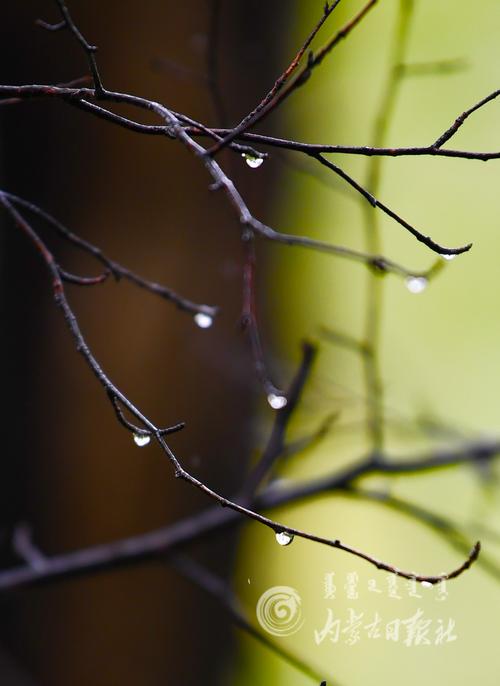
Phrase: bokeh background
[439,349]
[67,467]
[77,477]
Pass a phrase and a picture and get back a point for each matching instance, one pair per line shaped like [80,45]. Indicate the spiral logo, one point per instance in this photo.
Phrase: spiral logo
[279,611]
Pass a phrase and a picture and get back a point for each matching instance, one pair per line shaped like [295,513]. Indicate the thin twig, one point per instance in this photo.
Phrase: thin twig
[449,133]
[374,202]
[177,126]
[450,533]
[316,58]
[89,49]
[158,543]
[220,179]
[253,117]
[117,269]
[181,473]
[364,150]
[276,444]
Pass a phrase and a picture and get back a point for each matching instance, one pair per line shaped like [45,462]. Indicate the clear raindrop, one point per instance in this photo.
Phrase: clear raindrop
[416,284]
[284,538]
[449,257]
[252,161]
[204,321]
[276,401]
[141,439]
[426,584]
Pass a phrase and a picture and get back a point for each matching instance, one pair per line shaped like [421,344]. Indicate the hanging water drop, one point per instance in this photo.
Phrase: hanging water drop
[277,402]
[426,584]
[448,257]
[141,439]
[204,321]
[284,538]
[416,284]
[252,161]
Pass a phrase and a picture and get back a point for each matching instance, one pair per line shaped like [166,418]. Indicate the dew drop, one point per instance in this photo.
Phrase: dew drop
[204,321]
[426,584]
[448,257]
[253,162]
[141,439]
[284,538]
[416,284]
[277,402]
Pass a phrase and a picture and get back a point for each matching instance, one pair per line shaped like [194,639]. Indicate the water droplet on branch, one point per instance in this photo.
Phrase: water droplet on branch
[276,401]
[141,439]
[284,538]
[426,584]
[252,161]
[416,284]
[204,321]
[448,257]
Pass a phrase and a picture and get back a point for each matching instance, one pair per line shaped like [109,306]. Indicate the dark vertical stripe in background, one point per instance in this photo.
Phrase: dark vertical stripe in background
[66,465]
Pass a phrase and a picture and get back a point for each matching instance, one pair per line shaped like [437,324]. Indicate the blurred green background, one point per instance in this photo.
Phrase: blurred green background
[72,472]
[440,350]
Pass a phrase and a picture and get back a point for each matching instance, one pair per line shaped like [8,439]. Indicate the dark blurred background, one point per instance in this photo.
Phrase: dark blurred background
[67,467]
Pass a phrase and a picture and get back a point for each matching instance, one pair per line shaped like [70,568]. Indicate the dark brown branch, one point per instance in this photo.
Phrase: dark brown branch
[89,49]
[158,543]
[222,181]
[136,430]
[69,317]
[253,117]
[118,270]
[77,98]
[243,150]
[83,280]
[175,126]
[316,58]
[81,81]
[426,240]
[462,117]
[436,522]
[51,27]
[180,472]
[365,150]
[276,445]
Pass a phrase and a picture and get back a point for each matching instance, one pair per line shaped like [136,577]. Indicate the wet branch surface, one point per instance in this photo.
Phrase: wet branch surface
[258,494]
